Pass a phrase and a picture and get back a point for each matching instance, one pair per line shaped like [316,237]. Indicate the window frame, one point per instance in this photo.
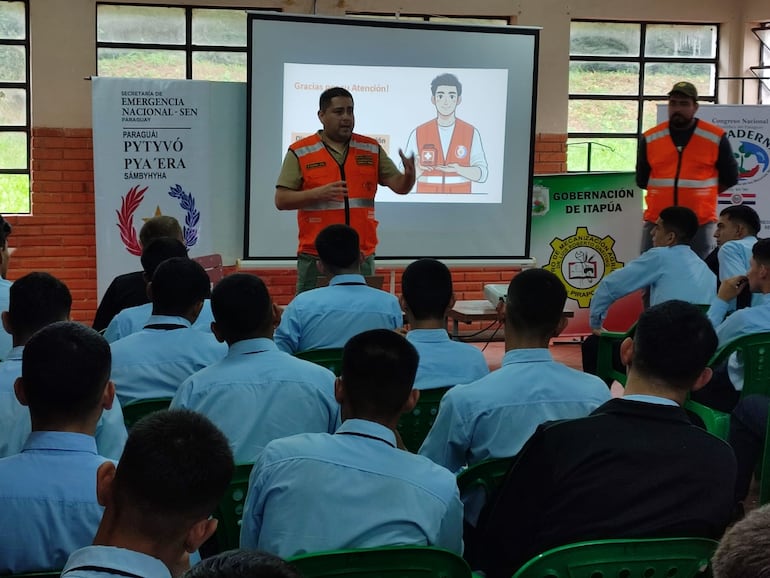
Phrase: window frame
[430,17]
[641,60]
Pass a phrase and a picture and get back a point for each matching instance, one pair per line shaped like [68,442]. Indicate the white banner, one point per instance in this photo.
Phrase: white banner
[166,147]
[748,130]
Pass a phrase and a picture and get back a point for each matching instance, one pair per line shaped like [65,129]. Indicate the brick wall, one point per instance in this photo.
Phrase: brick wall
[59,235]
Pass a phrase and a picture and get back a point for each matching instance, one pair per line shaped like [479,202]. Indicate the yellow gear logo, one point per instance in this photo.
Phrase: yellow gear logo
[581,261]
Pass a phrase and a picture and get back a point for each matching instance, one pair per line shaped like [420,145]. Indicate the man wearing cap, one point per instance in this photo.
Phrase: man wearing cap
[685,161]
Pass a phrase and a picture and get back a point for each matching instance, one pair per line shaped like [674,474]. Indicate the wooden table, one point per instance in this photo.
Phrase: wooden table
[475,310]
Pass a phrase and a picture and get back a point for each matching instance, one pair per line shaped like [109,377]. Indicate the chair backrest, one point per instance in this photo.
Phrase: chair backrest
[230,510]
[605,368]
[213,266]
[385,562]
[415,425]
[650,558]
[487,475]
[716,422]
[134,411]
[754,352]
[331,359]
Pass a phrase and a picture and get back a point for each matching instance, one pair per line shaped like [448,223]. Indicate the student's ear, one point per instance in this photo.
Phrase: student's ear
[703,379]
[339,390]
[18,389]
[411,401]
[561,326]
[108,397]
[277,313]
[321,268]
[361,258]
[198,533]
[215,331]
[105,476]
[627,351]
[401,301]
[6,317]
[149,291]
[452,302]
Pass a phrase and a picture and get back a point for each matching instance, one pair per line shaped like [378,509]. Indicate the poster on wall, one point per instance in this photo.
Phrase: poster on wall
[165,147]
[748,130]
[584,226]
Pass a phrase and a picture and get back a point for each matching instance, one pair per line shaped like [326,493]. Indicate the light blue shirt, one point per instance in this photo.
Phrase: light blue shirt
[735,259]
[114,561]
[352,489]
[48,506]
[742,322]
[155,362]
[327,317]
[6,341]
[650,399]
[133,319]
[494,416]
[670,272]
[257,394]
[15,424]
[444,362]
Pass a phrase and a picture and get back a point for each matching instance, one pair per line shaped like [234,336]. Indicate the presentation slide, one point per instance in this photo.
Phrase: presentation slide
[459,98]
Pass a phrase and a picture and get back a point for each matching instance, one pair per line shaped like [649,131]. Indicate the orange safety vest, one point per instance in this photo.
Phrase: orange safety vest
[688,178]
[431,155]
[360,172]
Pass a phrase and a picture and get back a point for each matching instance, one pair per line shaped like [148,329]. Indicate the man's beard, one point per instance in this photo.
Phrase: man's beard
[679,121]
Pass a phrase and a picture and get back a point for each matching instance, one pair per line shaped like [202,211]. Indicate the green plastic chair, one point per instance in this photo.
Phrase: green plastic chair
[649,558]
[230,510]
[136,410]
[384,562]
[604,366]
[717,422]
[754,352]
[331,359]
[415,425]
[487,475]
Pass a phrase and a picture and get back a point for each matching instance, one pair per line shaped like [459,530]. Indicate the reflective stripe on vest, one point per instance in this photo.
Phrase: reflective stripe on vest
[337,205]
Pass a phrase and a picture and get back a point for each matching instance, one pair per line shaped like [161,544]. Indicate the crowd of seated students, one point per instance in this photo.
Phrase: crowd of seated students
[330,471]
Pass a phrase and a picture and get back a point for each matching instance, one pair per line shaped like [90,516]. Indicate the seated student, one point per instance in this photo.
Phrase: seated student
[723,390]
[671,270]
[635,468]
[157,359]
[355,488]
[494,416]
[327,317]
[242,564]
[48,505]
[37,300]
[426,299]
[736,234]
[5,285]
[129,290]
[158,502]
[133,319]
[257,393]
[744,550]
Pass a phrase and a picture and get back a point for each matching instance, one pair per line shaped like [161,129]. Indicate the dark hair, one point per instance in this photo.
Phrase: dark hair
[327,95]
[673,342]
[36,300]
[761,251]
[241,306]
[338,247]
[65,367]
[535,303]
[157,227]
[175,468]
[242,564]
[5,231]
[378,370]
[446,79]
[681,221]
[744,215]
[158,250]
[177,285]
[427,288]
[744,550]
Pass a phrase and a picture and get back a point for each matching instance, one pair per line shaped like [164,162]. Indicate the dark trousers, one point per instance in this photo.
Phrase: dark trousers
[719,393]
[590,354]
[748,425]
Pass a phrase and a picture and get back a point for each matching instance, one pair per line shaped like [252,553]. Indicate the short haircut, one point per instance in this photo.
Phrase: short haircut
[681,221]
[157,227]
[744,550]
[378,370]
[241,305]
[175,468]
[338,247]
[327,95]
[178,284]
[65,367]
[446,79]
[36,300]
[535,303]
[744,215]
[158,250]
[761,252]
[5,231]
[242,564]
[427,288]
[673,343]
